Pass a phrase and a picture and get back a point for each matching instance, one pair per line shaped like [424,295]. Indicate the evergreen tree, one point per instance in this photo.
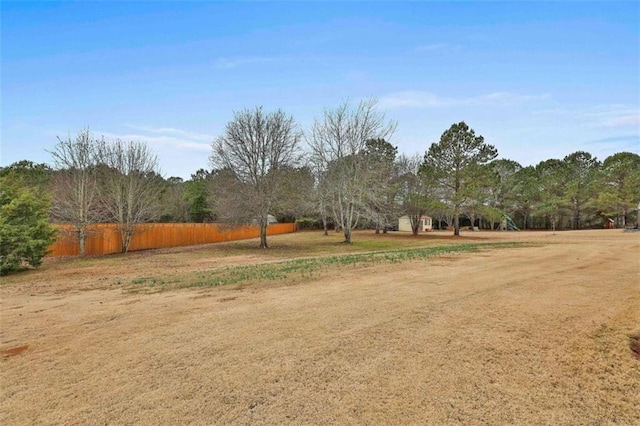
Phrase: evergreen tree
[25,232]
[456,164]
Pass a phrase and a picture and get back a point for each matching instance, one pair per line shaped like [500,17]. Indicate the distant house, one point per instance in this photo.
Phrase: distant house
[271,219]
[425,225]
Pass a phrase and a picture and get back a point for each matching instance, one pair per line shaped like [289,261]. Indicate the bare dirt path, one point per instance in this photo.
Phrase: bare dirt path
[509,336]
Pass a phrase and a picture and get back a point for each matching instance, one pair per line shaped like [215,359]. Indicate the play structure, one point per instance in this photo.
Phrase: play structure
[508,224]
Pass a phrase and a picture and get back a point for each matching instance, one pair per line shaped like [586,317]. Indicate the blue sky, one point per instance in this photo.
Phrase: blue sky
[538,80]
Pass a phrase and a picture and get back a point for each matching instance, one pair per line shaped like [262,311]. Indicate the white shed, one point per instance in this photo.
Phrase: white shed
[425,225]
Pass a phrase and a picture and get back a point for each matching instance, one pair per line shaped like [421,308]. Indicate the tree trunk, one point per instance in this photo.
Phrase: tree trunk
[347,235]
[576,217]
[263,234]
[414,221]
[325,227]
[456,224]
[126,233]
[82,239]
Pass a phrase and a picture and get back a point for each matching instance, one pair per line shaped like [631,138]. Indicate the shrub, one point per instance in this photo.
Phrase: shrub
[307,223]
[25,232]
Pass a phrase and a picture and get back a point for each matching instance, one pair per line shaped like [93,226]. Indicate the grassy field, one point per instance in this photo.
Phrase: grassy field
[486,328]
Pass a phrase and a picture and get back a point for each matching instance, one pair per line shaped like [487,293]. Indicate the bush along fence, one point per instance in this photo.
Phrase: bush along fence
[104,238]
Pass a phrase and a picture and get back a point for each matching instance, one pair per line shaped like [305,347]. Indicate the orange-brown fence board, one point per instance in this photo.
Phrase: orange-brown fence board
[104,238]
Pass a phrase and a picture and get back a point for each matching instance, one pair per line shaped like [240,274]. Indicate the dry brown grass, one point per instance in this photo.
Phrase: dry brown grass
[540,334]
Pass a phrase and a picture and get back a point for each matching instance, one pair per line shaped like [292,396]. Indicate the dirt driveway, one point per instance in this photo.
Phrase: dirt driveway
[509,336]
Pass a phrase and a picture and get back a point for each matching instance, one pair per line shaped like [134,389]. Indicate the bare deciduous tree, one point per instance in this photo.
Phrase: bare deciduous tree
[75,193]
[415,193]
[381,207]
[130,186]
[338,142]
[322,197]
[254,155]
[297,193]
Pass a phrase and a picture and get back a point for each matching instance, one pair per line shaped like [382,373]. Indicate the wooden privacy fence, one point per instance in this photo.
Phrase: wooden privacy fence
[104,238]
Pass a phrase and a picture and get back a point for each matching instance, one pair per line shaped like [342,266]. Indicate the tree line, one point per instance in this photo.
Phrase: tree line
[350,175]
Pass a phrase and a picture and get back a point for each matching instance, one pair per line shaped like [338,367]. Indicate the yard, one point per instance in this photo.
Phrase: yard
[489,327]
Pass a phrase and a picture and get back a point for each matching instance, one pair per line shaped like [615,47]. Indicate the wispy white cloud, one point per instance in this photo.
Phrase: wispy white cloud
[180,152]
[172,132]
[623,121]
[507,98]
[605,146]
[613,115]
[422,99]
[617,139]
[168,137]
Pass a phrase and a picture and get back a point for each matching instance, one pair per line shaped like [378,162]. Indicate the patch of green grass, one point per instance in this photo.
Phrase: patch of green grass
[302,268]
[374,244]
[150,281]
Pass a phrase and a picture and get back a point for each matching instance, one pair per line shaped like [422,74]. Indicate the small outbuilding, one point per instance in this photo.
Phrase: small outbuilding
[425,225]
